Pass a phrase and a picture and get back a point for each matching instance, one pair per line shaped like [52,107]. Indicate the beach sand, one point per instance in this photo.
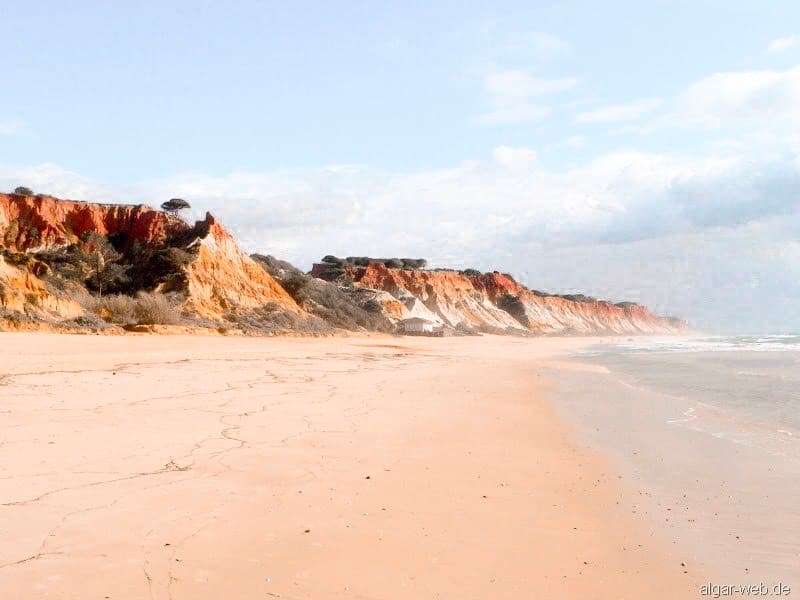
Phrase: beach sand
[713,465]
[364,467]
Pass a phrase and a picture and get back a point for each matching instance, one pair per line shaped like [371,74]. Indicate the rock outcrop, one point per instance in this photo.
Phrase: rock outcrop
[58,257]
[336,306]
[30,223]
[223,277]
[444,296]
[22,291]
[216,282]
[546,313]
[493,302]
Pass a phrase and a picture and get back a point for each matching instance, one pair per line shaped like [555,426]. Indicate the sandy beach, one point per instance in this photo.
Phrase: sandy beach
[709,439]
[365,467]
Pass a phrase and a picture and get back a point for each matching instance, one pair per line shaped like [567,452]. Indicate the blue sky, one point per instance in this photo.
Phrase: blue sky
[647,150]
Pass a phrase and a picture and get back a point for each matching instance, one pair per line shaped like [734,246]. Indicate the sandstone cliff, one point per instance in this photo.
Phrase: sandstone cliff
[446,297]
[492,302]
[39,235]
[326,300]
[70,264]
[555,314]
[223,277]
[30,223]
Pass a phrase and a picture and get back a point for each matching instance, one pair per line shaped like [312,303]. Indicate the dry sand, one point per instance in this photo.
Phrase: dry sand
[209,467]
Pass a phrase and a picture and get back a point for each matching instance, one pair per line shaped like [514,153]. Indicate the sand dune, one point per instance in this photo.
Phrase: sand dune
[212,467]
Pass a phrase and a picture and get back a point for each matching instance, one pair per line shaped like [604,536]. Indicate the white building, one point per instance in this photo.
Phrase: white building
[416,325]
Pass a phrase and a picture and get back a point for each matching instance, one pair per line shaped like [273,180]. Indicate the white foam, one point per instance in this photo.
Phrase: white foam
[742,343]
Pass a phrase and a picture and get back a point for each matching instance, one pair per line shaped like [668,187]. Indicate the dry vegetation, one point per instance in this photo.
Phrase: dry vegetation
[144,309]
[323,298]
[271,318]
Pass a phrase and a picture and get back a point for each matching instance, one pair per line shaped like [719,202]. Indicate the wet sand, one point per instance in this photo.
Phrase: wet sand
[727,497]
[212,467]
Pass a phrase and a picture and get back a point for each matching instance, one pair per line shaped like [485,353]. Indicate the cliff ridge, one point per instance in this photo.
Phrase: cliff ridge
[78,265]
[58,256]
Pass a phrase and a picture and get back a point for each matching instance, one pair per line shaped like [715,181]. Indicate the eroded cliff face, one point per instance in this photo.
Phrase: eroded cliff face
[217,278]
[22,291]
[494,301]
[222,277]
[29,223]
[557,314]
[444,296]
[50,251]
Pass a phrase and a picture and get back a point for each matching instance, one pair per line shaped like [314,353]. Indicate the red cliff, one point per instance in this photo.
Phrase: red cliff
[217,278]
[36,222]
[495,301]
[553,314]
[47,262]
[445,296]
[223,277]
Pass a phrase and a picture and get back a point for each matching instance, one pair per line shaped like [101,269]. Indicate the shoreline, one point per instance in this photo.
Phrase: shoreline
[728,504]
[375,467]
[111,329]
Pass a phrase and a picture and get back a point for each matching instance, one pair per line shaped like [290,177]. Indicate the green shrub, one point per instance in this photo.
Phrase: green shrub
[175,205]
[626,304]
[579,298]
[158,266]
[321,298]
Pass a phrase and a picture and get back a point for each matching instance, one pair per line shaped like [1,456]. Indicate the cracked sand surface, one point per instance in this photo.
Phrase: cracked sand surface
[186,467]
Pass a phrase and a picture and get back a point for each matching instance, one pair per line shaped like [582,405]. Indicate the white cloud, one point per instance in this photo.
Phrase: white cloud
[631,111]
[523,112]
[499,40]
[512,93]
[756,107]
[11,127]
[513,84]
[616,197]
[576,142]
[625,215]
[785,43]
[741,98]
[515,158]
[537,42]
[53,179]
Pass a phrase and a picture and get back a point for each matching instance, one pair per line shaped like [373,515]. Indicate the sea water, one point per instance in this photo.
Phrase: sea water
[745,388]
[706,430]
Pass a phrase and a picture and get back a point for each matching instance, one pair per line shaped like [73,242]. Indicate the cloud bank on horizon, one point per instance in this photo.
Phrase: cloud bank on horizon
[576,162]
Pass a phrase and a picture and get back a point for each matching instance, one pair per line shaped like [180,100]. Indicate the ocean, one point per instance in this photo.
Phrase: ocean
[744,388]
[708,430]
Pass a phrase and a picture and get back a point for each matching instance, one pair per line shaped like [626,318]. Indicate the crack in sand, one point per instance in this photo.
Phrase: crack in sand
[170,466]
[52,533]
[33,557]
[172,558]
[145,563]
[280,387]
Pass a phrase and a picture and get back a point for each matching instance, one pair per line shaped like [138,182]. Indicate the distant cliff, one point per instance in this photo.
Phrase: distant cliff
[492,302]
[76,265]
[549,313]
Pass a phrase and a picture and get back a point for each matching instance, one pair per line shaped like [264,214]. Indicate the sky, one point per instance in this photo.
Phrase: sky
[642,151]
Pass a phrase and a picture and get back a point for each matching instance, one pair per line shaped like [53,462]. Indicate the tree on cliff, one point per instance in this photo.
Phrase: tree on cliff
[107,272]
[175,206]
[23,191]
